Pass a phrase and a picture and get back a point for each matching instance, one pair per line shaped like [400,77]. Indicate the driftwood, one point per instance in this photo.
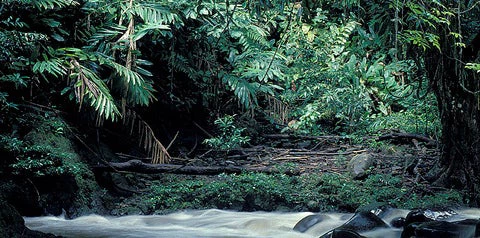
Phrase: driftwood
[138,166]
[399,136]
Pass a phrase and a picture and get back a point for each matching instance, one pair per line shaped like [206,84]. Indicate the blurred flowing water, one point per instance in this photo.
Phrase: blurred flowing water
[207,223]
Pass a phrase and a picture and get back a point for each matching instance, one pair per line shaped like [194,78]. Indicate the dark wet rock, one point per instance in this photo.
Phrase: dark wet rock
[436,229]
[409,229]
[397,222]
[416,216]
[342,233]
[471,222]
[359,165]
[427,215]
[12,224]
[380,209]
[309,221]
[22,195]
[364,221]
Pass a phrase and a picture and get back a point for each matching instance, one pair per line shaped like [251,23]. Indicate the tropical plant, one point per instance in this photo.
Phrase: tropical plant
[230,136]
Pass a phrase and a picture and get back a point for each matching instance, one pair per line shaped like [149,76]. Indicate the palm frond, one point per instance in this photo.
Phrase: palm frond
[52,66]
[154,13]
[90,85]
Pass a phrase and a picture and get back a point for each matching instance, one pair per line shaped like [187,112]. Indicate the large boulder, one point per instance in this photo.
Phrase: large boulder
[459,229]
[428,223]
[359,165]
[360,222]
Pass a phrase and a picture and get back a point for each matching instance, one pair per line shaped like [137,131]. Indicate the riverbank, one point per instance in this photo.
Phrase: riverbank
[316,178]
[293,174]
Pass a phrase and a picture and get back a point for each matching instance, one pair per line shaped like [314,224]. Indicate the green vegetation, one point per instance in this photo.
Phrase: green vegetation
[230,136]
[122,77]
[254,191]
[46,152]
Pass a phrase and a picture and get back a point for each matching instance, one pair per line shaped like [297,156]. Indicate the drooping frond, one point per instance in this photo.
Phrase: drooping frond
[251,36]
[243,90]
[76,65]
[90,85]
[52,66]
[147,139]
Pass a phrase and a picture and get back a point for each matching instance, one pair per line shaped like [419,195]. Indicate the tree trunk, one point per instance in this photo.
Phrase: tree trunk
[459,108]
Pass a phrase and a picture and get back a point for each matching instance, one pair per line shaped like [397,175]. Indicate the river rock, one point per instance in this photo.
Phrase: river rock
[435,229]
[364,221]
[409,229]
[380,209]
[398,222]
[359,165]
[426,215]
[428,223]
[308,221]
[342,233]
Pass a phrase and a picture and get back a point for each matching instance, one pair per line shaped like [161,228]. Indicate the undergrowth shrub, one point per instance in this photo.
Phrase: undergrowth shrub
[257,191]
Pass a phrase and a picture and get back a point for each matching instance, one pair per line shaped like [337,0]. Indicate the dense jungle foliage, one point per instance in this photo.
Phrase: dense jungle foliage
[145,69]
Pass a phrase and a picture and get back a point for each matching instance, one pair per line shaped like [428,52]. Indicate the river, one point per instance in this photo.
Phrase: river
[205,223]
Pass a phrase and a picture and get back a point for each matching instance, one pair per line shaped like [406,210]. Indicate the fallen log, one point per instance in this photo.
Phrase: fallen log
[320,153]
[137,166]
[289,136]
[399,136]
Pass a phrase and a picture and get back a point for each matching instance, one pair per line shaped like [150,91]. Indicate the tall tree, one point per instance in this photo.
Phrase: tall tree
[458,93]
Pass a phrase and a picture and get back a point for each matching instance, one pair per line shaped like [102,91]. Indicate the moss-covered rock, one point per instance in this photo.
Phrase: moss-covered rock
[49,171]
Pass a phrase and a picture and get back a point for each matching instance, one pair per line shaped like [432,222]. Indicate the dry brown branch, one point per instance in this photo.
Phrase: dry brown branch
[173,140]
[278,110]
[147,139]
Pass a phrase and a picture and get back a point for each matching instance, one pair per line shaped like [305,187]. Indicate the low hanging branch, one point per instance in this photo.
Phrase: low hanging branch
[138,166]
[150,143]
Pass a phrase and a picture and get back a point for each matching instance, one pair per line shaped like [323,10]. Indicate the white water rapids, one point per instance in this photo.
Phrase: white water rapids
[205,223]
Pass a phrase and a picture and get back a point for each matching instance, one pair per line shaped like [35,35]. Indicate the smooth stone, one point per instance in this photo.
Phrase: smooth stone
[308,221]
[364,221]
[359,165]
